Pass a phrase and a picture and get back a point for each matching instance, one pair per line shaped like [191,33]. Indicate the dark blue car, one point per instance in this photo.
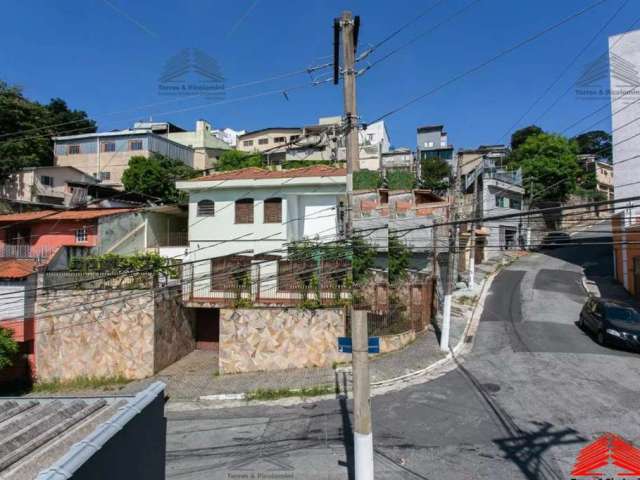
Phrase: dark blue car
[613,323]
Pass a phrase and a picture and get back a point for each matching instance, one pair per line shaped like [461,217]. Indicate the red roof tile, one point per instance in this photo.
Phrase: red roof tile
[87,214]
[16,268]
[254,173]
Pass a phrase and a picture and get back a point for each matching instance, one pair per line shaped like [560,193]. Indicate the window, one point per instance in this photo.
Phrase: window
[279,139]
[263,141]
[108,146]
[135,145]
[82,235]
[247,143]
[515,204]
[273,210]
[293,138]
[73,149]
[105,175]
[244,210]
[428,144]
[46,180]
[206,208]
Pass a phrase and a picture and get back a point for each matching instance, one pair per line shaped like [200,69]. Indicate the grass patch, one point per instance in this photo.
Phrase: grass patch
[466,299]
[80,383]
[276,393]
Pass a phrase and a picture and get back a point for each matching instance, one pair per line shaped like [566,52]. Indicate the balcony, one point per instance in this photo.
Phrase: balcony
[26,251]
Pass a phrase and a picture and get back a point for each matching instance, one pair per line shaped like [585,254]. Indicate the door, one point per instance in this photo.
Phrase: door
[207,328]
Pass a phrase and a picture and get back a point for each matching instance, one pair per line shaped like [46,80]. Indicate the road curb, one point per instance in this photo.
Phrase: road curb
[430,372]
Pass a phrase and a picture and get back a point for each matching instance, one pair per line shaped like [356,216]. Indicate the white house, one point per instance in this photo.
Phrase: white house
[252,215]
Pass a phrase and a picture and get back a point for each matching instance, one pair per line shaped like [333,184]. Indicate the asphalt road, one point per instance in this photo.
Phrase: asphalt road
[534,390]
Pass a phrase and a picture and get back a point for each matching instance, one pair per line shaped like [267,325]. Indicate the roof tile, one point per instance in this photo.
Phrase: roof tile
[87,214]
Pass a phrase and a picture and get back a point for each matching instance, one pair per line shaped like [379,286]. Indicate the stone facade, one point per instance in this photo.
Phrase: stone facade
[174,329]
[101,333]
[392,343]
[267,339]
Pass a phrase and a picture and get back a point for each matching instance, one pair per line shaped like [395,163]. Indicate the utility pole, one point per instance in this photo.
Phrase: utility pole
[451,263]
[362,436]
[472,241]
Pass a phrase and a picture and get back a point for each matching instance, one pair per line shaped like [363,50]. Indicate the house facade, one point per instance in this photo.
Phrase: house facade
[433,142]
[251,216]
[56,186]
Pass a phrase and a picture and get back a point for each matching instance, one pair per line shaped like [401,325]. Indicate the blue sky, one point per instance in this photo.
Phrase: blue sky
[106,57]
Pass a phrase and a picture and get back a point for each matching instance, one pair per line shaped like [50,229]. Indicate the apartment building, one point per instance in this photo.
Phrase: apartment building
[268,138]
[433,142]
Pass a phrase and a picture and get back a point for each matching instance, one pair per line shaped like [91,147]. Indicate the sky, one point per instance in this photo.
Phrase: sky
[111,58]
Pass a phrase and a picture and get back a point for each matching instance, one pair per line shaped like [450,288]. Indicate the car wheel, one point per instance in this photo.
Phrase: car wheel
[581,324]
[602,339]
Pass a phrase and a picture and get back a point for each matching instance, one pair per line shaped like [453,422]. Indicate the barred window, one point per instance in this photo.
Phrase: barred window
[206,208]
[244,210]
[273,210]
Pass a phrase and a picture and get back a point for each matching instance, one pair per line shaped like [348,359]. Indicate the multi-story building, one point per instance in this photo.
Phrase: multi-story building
[229,135]
[272,139]
[48,186]
[491,190]
[624,68]
[603,172]
[433,142]
[251,216]
[206,144]
[106,155]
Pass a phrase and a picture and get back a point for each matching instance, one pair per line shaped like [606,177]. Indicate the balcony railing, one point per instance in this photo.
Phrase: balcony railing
[25,251]
[171,239]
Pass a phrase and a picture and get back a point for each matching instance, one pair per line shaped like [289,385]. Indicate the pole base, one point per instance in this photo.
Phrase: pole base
[363,455]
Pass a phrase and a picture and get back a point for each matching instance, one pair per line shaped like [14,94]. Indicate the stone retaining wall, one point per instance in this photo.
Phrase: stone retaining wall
[392,343]
[267,339]
[103,333]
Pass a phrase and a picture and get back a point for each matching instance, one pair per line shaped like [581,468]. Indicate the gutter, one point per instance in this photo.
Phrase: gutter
[82,451]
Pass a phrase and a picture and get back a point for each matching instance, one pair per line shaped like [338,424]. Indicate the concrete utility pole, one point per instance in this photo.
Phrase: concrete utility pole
[362,436]
[451,263]
[472,241]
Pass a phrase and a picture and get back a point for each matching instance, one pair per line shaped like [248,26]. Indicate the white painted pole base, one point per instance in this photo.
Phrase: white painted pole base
[363,455]
[472,274]
[446,323]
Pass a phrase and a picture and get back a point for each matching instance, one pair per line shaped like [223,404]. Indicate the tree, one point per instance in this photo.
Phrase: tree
[549,166]
[399,259]
[235,160]
[8,348]
[27,127]
[435,173]
[596,142]
[156,176]
[520,136]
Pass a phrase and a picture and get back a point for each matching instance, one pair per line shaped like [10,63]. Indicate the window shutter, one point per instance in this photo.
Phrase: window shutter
[273,210]
[244,210]
[206,208]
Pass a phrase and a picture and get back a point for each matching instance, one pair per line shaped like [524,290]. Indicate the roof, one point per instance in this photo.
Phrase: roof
[262,130]
[430,128]
[254,173]
[115,133]
[51,438]
[55,215]
[16,268]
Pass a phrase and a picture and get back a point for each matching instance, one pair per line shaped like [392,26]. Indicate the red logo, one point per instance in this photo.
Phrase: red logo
[609,449]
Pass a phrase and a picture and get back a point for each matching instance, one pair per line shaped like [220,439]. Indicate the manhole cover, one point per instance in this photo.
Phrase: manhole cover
[491,387]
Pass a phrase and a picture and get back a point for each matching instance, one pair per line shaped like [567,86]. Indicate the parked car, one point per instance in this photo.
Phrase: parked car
[613,322]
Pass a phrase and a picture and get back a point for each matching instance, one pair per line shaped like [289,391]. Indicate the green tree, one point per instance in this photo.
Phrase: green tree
[156,176]
[549,166]
[366,180]
[596,142]
[363,259]
[401,180]
[8,348]
[235,160]
[399,259]
[26,128]
[520,136]
[435,173]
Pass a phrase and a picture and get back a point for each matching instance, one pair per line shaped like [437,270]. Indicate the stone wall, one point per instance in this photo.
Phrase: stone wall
[174,329]
[103,333]
[265,339]
[392,343]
